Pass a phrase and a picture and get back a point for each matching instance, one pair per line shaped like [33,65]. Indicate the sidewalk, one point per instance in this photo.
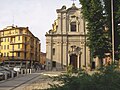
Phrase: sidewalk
[14,83]
[44,82]
[53,73]
[33,81]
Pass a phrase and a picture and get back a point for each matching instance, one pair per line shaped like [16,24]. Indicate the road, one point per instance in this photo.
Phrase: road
[38,80]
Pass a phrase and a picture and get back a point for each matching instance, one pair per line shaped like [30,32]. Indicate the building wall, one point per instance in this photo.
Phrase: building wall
[18,42]
[42,58]
[61,39]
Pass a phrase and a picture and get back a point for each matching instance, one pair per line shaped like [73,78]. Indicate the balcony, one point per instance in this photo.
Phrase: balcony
[12,43]
[18,50]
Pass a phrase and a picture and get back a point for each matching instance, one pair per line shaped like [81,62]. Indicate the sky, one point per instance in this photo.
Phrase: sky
[38,15]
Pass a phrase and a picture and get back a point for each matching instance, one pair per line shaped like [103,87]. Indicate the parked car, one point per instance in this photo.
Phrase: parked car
[17,68]
[5,72]
[10,70]
[1,76]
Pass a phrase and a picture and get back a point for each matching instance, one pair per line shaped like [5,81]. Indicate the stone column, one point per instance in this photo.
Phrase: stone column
[68,59]
[78,61]
[97,62]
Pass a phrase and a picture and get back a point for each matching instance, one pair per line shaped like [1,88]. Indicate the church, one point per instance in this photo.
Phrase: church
[66,41]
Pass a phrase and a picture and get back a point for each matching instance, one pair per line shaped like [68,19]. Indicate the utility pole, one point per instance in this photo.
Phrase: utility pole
[112,14]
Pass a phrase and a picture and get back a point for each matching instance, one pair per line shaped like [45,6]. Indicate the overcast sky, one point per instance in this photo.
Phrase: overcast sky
[38,15]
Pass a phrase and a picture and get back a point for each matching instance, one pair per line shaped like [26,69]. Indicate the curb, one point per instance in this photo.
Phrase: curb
[51,75]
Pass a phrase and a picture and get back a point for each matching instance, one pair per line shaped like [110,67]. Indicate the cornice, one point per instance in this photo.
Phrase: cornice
[66,35]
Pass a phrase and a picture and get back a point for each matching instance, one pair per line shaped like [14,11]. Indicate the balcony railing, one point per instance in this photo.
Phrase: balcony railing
[19,50]
[19,42]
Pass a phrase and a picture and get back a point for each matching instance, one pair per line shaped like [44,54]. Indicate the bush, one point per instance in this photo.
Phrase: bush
[106,78]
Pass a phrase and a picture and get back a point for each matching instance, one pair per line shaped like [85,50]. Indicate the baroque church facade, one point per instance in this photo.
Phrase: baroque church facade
[66,41]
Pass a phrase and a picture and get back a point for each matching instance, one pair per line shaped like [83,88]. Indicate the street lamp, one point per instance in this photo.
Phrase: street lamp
[112,14]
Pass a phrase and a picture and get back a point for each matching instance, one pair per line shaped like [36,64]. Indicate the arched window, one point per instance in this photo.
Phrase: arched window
[73,26]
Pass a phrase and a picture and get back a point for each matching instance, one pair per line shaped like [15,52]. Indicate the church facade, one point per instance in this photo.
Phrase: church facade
[66,41]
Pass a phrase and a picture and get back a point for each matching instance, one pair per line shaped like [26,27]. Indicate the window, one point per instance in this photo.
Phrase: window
[18,54]
[7,46]
[73,26]
[53,51]
[7,54]
[54,63]
[14,39]
[25,55]
[8,39]
[25,39]
[12,55]
[25,47]
[4,54]
[18,46]
[20,31]
[18,38]
[9,32]
[13,47]
[5,39]
[4,47]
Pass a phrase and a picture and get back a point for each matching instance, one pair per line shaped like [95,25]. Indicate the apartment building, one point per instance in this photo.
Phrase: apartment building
[19,46]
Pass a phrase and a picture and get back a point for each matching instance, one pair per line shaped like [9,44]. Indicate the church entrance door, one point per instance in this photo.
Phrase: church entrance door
[73,60]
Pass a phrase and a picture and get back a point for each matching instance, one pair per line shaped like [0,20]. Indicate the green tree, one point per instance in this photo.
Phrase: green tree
[97,14]
[117,27]
[98,37]
[107,78]
[107,9]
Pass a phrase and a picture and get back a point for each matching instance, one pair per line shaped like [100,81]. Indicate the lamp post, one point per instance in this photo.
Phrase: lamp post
[112,14]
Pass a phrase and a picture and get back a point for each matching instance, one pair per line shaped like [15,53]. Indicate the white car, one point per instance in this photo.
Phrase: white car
[17,68]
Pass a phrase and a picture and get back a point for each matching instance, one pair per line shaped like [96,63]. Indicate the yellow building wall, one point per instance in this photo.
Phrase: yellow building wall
[16,36]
